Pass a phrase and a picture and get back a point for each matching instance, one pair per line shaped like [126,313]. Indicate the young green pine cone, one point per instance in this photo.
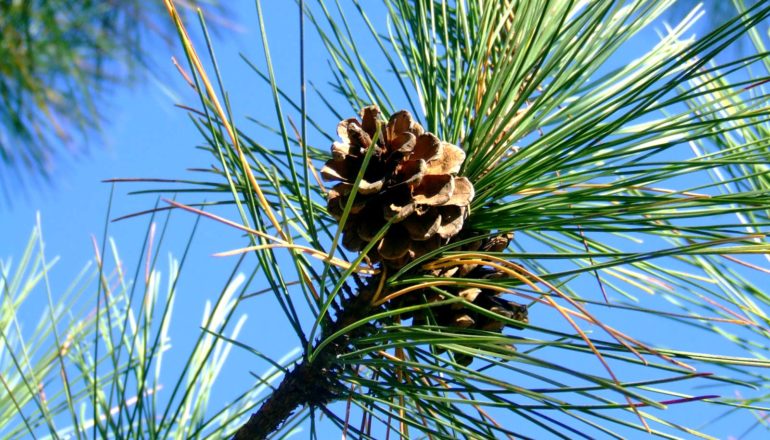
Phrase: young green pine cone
[411,179]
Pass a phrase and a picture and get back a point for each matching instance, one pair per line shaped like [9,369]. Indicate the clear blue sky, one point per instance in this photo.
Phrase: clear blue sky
[146,136]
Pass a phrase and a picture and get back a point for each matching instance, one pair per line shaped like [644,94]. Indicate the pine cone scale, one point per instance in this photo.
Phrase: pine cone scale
[427,147]
[434,190]
[423,227]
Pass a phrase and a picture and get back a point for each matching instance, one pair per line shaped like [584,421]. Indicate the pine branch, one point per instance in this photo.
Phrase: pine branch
[312,382]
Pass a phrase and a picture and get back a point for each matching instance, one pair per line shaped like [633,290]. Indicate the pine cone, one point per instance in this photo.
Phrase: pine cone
[496,243]
[410,178]
[458,315]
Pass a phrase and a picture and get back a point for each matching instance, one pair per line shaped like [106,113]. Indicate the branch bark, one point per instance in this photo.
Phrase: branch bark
[309,383]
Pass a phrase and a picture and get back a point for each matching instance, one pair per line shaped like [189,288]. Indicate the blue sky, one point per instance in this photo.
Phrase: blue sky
[146,136]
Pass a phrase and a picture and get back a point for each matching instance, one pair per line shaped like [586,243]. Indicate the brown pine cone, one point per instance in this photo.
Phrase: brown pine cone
[410,178]
[459,315]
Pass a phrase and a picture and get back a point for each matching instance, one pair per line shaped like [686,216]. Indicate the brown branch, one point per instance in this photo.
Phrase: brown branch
[304,385]
[311,383]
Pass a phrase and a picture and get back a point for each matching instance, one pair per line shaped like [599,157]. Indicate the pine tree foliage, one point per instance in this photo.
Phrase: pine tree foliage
[603,186]
[59,63]
[633,199]
[109,368]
